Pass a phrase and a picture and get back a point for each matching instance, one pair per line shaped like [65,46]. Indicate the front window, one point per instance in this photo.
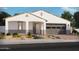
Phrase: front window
[19,25]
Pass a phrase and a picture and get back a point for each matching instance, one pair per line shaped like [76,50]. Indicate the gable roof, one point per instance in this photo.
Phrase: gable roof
[26,16]
[50,17]
[44,15]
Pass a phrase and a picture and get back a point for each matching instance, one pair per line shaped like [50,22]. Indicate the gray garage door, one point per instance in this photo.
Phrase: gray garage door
[56,28]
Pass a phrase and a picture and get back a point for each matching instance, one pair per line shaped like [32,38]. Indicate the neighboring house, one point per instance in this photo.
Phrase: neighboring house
[39,22]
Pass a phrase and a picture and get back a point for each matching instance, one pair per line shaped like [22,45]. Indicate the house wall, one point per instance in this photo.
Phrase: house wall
[2,29]
[13,27]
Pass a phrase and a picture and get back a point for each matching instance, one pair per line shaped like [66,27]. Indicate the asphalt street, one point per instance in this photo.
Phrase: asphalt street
[61,46]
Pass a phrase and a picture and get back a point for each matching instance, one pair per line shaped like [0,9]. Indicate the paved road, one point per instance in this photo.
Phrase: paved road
[67,46]
[40,45]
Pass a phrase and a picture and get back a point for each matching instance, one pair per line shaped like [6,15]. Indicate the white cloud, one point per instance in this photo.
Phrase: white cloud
[4,8]
[70,9]
[65,8]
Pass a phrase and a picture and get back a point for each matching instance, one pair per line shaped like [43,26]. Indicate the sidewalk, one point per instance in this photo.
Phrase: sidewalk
[32,41]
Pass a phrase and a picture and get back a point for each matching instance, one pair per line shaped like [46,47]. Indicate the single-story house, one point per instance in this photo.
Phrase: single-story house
[38,22]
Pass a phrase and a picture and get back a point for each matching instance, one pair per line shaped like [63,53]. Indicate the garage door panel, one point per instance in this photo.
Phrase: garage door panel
[56,29]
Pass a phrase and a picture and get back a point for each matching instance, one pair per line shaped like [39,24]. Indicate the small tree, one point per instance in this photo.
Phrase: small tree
[67,15]
[2,16]
[76,17]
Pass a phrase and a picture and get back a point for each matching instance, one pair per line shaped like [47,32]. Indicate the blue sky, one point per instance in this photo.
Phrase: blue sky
[54,10]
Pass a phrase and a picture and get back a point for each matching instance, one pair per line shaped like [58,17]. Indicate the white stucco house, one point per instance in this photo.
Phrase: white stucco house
[38,22]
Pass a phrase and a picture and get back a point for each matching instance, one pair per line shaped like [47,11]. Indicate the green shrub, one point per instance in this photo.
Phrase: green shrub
[29,35]
[8,33]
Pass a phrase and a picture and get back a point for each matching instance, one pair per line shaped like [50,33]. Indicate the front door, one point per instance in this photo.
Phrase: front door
[34,28]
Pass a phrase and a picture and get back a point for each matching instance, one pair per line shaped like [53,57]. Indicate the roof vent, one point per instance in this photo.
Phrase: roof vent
[27,15]
[41,13]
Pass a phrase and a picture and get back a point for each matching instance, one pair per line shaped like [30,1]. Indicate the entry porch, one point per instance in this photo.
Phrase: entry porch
[24,27]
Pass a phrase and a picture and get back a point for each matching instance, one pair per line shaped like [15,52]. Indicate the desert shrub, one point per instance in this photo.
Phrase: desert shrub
[18,35]
[29,35]
[37,37]
[57,37]
[2,35]
[15,34]
[8,33]
[50,36]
